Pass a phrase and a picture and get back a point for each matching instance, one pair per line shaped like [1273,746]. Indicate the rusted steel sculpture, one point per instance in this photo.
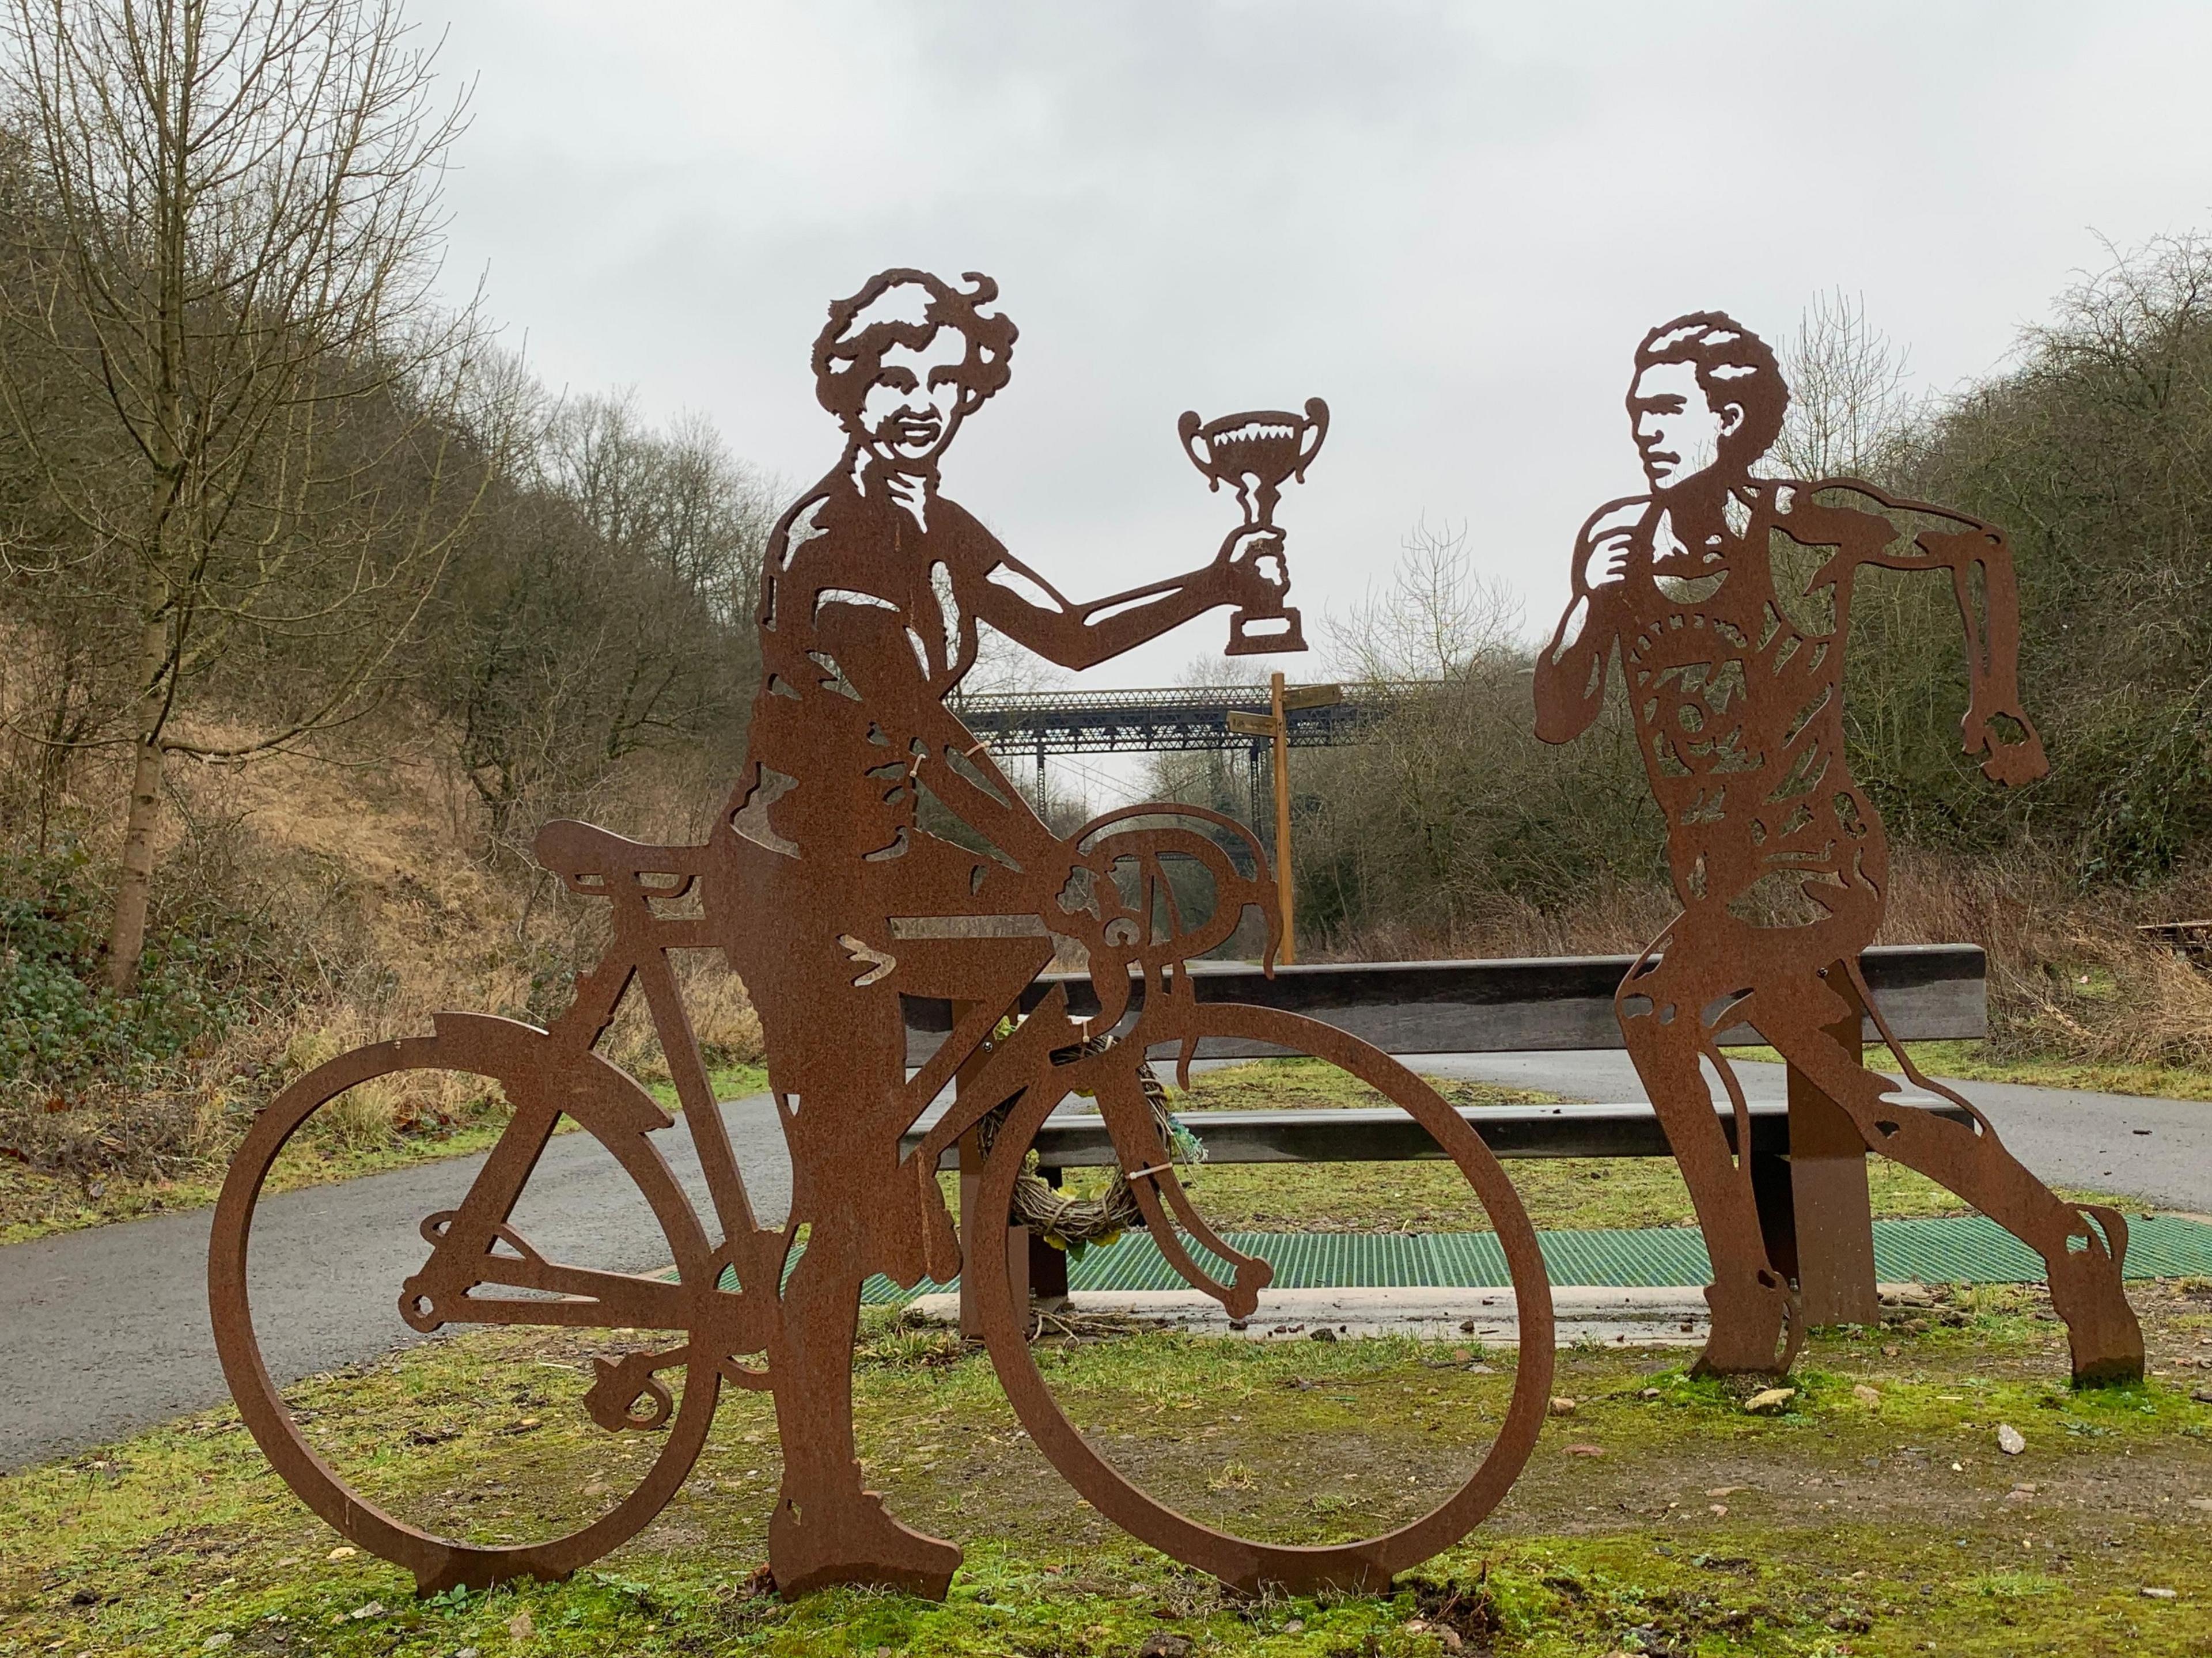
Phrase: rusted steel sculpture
[827,890]
[1727,599]
[1257,454]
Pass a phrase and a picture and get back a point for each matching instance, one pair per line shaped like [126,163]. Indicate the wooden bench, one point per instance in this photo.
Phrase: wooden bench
[1808,1160]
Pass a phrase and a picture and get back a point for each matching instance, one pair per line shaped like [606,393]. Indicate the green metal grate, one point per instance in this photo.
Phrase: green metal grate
[1969,1249]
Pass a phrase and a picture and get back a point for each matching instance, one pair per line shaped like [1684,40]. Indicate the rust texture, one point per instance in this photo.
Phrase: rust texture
[1256,453]
[831,885]
[1726,598]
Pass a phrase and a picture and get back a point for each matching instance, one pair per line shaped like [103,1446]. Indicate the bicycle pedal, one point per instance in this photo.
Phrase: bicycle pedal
[612,1398]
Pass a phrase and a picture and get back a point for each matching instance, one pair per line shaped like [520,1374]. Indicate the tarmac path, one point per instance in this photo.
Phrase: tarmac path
[105,1331]
[2156,1151]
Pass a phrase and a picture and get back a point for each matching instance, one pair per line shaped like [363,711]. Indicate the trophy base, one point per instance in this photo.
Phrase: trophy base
[1264,635]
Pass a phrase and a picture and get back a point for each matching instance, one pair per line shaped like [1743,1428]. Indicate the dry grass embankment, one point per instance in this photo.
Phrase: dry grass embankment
[2078,997]
[305,908]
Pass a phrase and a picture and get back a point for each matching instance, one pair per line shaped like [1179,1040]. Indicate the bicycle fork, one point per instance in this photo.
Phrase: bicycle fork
[1024,1060]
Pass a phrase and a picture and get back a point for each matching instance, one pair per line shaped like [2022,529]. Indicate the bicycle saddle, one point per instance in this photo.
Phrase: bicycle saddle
[587,858]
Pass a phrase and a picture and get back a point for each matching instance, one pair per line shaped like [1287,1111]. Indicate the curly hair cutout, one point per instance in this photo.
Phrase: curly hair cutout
[1734,365]
[849,353]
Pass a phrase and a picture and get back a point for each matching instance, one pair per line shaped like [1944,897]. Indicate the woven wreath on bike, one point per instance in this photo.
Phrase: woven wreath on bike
[1075,1223]
[822,885]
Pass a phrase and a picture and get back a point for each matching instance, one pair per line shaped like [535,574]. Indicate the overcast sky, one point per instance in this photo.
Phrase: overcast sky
[1453,222]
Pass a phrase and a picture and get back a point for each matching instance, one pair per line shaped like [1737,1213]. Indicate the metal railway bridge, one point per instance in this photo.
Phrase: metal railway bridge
[1181,718]
[1224,718]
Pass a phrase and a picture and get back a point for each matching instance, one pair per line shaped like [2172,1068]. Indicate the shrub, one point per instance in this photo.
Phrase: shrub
[61,1026]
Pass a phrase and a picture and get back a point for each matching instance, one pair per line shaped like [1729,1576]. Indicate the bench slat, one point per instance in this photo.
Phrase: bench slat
[1929,992]
[1386,1134]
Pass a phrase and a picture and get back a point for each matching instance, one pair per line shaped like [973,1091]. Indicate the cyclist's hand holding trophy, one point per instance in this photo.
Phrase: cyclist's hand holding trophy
[1256,453]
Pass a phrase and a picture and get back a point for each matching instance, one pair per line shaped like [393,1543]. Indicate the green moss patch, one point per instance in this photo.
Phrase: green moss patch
[1875,1514]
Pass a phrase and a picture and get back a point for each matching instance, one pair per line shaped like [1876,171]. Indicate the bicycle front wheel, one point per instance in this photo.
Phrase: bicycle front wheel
[1136,1483]
[471,1437]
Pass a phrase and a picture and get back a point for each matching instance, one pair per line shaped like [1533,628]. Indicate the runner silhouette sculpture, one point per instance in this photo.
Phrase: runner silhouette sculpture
[1726,597]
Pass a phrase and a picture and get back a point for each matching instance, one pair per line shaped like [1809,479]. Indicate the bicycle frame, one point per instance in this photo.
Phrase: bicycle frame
[465,1256]
[466,1242]
[1141,972]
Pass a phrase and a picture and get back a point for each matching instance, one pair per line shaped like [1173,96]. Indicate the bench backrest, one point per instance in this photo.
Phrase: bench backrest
[1928,992]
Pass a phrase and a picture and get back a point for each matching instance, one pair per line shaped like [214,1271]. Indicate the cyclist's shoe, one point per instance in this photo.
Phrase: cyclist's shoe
[852,1539]
[1752,1314]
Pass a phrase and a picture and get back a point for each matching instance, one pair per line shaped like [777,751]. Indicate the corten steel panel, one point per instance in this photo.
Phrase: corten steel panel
[1929,992]
[1719,598]
[820,886]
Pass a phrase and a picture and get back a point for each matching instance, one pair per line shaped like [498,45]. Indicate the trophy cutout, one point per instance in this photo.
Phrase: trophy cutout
[1257,452]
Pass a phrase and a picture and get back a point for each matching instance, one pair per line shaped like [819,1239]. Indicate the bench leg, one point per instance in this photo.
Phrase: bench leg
[971,1165]
[1038,1270]
[1048,1265]
[1773,1191]
[1833,1217]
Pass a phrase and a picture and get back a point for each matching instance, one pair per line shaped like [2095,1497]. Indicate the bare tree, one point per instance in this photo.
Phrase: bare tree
[230,209]
[605,608]
[1848,406]
[1438,614]
[1449,806]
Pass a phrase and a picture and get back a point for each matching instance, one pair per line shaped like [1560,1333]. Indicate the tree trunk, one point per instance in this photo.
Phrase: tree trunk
[126,936]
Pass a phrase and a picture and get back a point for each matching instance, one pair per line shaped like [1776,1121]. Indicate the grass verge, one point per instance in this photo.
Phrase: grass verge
[35,1204]
[1561,1194]
[1979,1061]
[1874,1514]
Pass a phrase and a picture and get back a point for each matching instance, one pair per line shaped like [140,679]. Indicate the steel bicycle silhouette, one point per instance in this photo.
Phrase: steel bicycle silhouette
[825,892]
[830,900]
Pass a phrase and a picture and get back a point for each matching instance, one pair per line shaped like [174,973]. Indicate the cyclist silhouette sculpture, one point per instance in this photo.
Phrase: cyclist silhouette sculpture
[1727,599]
[823,889]
[875,586]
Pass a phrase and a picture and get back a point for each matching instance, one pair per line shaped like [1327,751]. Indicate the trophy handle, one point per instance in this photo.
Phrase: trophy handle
[1316,423]
[1186,429]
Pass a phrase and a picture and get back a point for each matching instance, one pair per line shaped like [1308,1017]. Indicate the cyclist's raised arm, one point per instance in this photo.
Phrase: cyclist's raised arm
[1033,613]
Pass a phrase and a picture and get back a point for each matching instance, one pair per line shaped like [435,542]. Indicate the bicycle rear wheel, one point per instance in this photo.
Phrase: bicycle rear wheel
[1358,1565]
[631,1393]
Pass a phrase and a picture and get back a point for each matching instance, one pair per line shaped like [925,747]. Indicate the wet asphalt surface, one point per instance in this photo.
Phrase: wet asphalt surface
[105,1331]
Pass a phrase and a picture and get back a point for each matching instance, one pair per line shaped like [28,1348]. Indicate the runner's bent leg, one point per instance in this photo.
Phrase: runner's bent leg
[2083,1249]
[1658,1012]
